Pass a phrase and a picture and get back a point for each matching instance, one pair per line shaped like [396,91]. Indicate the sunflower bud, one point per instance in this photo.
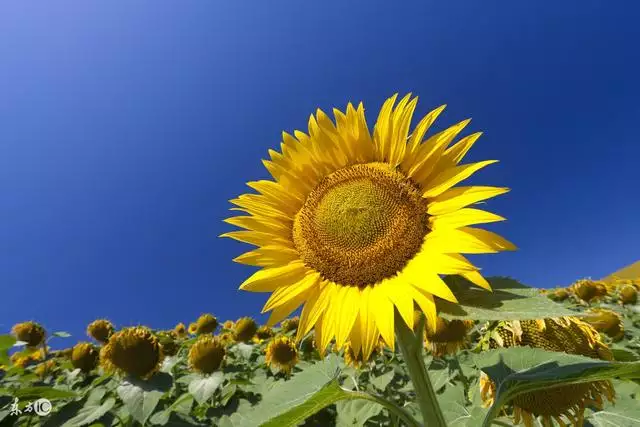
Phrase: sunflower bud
[180,330]
[207,354]
[100,330]
[134,351]
[192,328]
[84,356]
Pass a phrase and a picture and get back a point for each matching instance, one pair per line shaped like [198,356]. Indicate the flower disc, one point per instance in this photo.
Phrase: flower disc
[282,354]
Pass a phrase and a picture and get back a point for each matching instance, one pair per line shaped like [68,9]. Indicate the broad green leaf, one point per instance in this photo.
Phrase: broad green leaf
[6,342]
[520,370]
[381,382]
[622,354]
[204,387]
[92,411]
[141,397]
[34,393]
[243,350]
[510,300]
[625,413]
[182,405]
[355,413]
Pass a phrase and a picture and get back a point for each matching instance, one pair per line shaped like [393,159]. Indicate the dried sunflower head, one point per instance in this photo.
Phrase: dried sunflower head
[282,354]
[559,294]
[100,330]
[192,328]
[180,330]
[245,329]
[30,332]
[262,334]
[291,324]
[448,336]
[84,356]
[206,324]
[206,354]
[589,290]
[133,351]
[628,294]
[565,404]
[606,321]
[228,325]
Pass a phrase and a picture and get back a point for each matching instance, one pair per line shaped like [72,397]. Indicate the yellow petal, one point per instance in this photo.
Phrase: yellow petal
[268,256]
[318,337]
[477,279]
[399,292]
[264,225]
[269,279]
[428,306]
[383,311]
[257,238]
[463,217]
[450,263]
[356,339]
[468,240]
[368,327]
[419,273]
[423,126]
[285,293]
[257,204]
[282,312]
[457,151]
[450,177]
[349,304]
[457,198]
[314,308]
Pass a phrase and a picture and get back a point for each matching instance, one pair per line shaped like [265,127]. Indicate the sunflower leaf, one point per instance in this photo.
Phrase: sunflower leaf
[92,411]
[510,300]
[203,387]
[141,397]
[6,342]
[355,413]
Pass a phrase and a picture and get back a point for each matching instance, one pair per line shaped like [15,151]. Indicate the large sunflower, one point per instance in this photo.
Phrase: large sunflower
[356,224]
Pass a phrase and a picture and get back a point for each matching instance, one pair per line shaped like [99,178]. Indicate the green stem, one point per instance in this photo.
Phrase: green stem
[399,412]
[411,348]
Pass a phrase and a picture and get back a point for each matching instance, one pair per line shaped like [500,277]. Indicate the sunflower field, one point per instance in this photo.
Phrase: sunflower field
[365,232]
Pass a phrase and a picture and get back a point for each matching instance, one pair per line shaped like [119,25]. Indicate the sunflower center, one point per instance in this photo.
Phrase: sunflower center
[361,224]
[283,353]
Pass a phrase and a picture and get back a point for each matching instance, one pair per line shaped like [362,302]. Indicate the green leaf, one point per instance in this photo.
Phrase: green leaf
[381,382]
[622,354]
[182,405]
[625,413]
[6,342]
[510,300]
[61,334]
[141,397]
[204,387]
[356,412]
[520,370]
[92,411]
[39,392]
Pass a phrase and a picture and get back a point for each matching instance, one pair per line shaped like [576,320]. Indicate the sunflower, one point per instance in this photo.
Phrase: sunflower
[628,294]
[355,225]
[180,330]
[588,290]
[193,328]
[282,354]
[134,351]
[27,356]
[245,328]
[448,336]
[228,325]
[207,354]
[606,321]
[84,356]
[100,330]
[262,334]
[30,332]
[567,334]
[559,294]
[45,368]
[226,338]
[206,324]
[289,325]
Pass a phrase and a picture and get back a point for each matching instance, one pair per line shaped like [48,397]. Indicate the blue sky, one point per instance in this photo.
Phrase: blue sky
[125,126]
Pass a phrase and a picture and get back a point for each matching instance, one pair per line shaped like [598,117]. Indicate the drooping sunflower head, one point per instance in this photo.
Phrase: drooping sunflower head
[606,321]
[245,328]
[206,354]
[100,330]
[289,325]
[30,332]
[45,368]
[263,333]
[564,404]
[228,325]
[206,324]
[628,294]
[180,330]
[134,351]
[192,328]
[448,336]
[589,290]
[282,354]
[84,356]
[357,224]
[559,294]
[168,342]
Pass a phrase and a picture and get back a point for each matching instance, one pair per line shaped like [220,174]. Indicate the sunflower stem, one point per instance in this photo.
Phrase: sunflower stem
[411,348]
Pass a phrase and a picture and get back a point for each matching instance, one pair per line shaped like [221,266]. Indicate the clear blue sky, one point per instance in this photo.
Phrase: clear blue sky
[125,126]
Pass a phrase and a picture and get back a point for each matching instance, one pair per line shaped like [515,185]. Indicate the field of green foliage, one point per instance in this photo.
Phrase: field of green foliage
[234,374]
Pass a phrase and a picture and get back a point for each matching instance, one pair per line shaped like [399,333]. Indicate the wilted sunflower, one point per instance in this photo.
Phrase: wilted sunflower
[559,294]
[206,354]
[30,332]
[606,321]
[263,333]
[206,324]
[588,290]
[100,330]
[448,336]
[192,328]
[228,325]
[245,328]
[134,351]
[180,330]
[282,354]
[84,356]
[356,225]
[289,325]
[628,294]
[567,334]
